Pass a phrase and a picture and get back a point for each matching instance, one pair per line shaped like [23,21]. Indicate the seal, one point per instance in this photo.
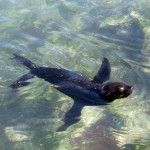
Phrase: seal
[83,91]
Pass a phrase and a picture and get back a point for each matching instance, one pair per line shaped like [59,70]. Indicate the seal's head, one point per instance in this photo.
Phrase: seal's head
[115,90]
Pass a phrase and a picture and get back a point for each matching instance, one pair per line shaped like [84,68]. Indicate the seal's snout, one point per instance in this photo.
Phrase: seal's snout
[130,89]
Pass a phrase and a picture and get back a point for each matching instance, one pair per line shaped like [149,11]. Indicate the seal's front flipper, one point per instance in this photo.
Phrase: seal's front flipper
[72,116]
[104,72]
[22,81]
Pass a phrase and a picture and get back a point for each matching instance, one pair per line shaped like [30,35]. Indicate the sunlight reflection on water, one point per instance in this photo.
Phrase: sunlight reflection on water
[76,35]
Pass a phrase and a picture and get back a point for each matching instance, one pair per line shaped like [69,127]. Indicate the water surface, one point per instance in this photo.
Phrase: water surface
[76,35]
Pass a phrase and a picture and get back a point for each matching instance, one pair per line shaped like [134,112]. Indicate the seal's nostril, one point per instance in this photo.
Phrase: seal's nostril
[131,87]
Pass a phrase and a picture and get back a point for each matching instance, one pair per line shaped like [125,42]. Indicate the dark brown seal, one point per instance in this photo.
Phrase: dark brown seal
[83,91]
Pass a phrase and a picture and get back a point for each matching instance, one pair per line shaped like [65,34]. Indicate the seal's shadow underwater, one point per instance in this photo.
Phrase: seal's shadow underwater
[83,91]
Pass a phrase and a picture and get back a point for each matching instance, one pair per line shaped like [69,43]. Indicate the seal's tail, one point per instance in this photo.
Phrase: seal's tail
[22,81]
[26,62]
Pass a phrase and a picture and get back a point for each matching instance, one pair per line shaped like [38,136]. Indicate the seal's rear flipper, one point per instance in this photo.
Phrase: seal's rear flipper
[22,81]
[104,72]
[26,62]
[72,116]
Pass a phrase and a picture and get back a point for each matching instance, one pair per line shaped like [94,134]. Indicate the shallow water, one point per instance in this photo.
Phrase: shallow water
[76,35]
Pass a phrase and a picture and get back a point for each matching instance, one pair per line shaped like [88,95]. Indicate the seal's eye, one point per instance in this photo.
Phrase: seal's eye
[120,89]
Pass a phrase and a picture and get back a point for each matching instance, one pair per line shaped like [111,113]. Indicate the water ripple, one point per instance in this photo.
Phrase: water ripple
[75,35]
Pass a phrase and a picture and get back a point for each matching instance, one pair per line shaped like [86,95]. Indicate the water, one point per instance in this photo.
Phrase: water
[76,35]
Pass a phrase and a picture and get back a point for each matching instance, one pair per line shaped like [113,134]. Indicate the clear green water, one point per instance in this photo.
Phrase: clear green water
[74,34]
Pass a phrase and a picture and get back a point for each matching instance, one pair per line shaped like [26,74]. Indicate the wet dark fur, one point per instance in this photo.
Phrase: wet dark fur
[83,91]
